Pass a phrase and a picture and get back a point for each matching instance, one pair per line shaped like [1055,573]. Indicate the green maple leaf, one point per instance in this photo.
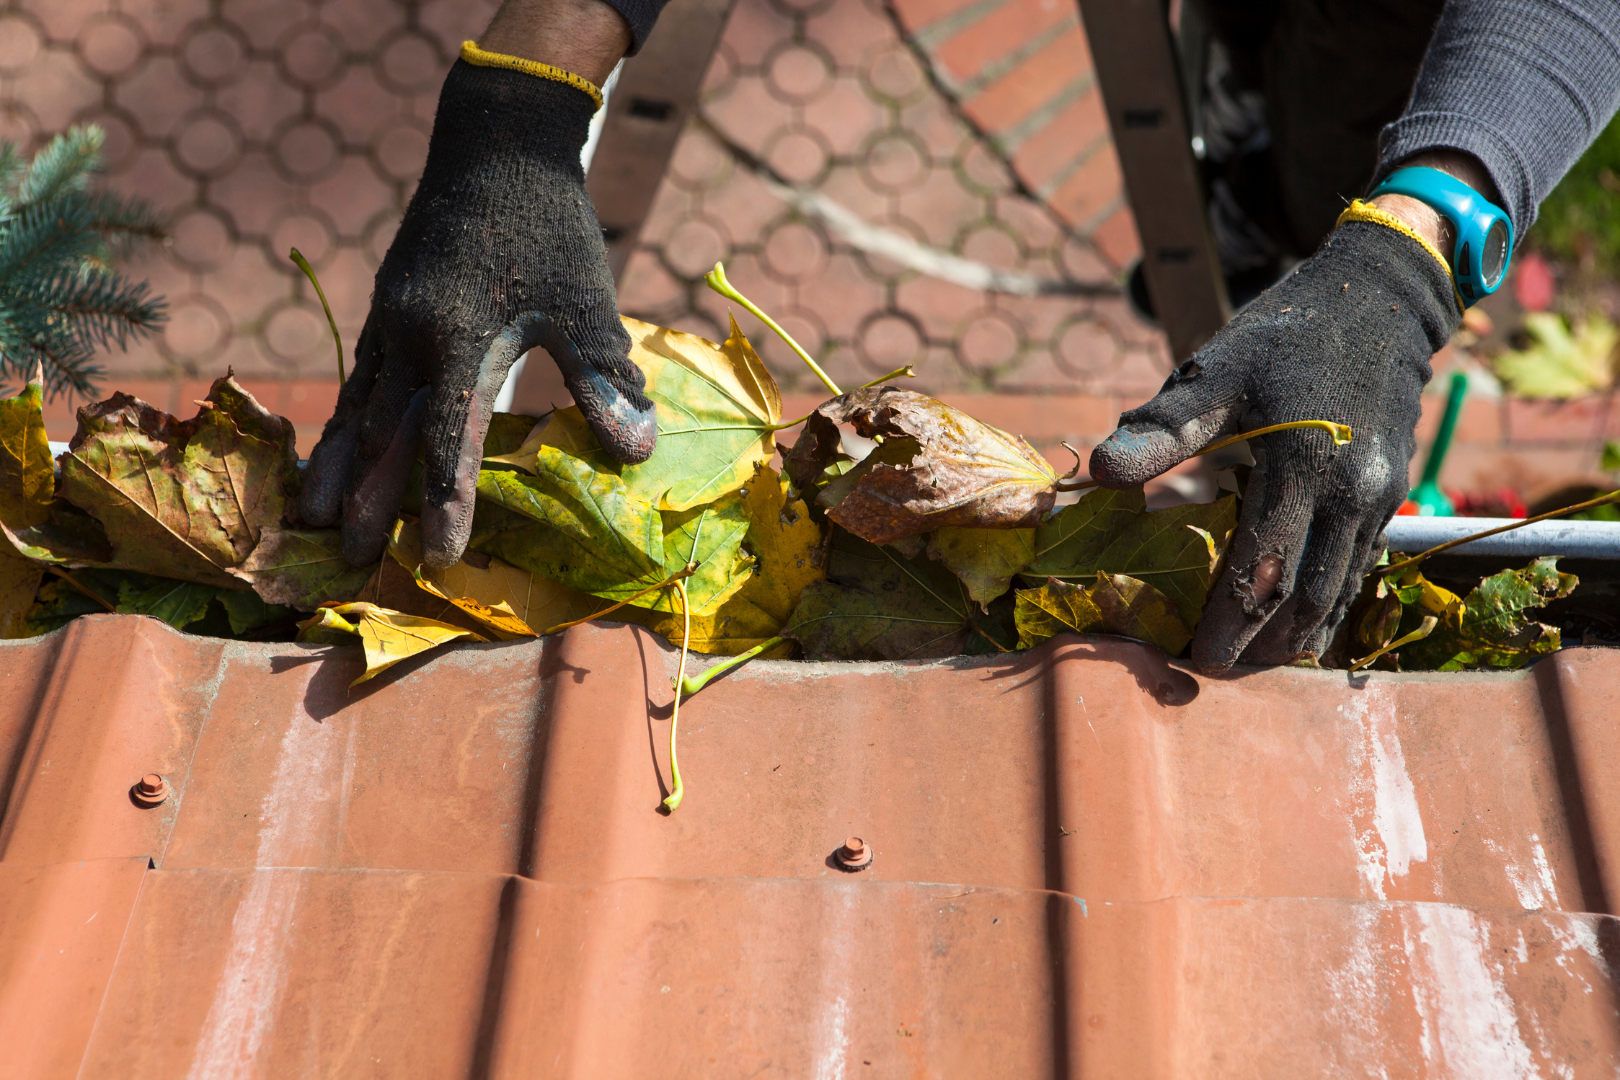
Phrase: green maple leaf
[1489,629]
[1175,550]
[718,411]
[878,605]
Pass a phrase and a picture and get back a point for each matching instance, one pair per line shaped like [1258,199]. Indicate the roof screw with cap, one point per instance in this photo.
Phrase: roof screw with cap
[854,855]
[150,791]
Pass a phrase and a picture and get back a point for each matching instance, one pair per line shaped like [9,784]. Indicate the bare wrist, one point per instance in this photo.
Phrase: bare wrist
[1424,219]
[585,37]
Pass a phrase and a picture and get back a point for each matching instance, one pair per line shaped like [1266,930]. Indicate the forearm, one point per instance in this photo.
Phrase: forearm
[1515,89]
[586,37]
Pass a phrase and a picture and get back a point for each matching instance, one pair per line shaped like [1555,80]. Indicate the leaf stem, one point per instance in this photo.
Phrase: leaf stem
[671,580]
[697,682]
[71,580]
[716,280]
[1340,433]
[908,372]
[309,272]
[678,792]
[1613,496]
[1425,628]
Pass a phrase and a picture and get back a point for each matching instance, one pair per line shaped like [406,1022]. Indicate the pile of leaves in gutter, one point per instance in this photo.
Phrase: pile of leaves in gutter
[940,537]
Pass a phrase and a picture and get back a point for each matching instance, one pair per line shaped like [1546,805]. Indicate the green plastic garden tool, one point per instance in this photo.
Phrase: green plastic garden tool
[1430,500]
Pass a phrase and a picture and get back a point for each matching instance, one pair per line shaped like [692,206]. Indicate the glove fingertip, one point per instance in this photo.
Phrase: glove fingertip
[445,532]
[1128,458]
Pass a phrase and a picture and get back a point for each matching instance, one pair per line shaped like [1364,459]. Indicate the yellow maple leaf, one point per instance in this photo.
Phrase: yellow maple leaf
[388,636]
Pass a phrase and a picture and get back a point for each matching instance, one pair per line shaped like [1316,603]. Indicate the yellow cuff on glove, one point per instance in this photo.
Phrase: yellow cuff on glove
[471,53]
[1366,211]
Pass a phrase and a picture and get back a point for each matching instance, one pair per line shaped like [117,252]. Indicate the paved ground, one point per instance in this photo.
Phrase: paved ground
[973,128]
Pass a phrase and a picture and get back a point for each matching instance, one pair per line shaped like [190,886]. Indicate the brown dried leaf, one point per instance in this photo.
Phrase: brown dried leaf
[183,499]
[966,473]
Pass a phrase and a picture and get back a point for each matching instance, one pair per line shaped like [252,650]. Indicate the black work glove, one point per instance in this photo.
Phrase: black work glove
[499,251]
[1346,337]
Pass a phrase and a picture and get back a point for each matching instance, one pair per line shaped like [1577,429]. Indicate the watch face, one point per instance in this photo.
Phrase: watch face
[1493,259]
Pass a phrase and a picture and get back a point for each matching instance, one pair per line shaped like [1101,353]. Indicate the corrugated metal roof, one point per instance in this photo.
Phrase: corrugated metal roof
[1089,862]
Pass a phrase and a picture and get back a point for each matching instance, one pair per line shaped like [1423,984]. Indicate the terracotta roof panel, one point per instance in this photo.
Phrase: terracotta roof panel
[1088,862]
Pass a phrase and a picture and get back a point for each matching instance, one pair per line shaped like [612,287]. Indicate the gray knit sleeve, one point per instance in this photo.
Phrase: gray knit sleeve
[640,14]
[1523,85]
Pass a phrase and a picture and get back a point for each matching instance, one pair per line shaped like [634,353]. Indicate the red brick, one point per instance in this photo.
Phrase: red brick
[1091,190]
[1581,421]
[749,115]
[1479,422]
[1117,239]
[1073,133]
[917,15]
[1532,472]
[1002,32]
[1032,84]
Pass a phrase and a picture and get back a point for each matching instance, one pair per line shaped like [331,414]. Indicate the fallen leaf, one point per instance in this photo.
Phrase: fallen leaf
[710,536]
[1561,363]
[181,604]
[301,568]
[566,429]
[1112,604]
[785,542]
[879,605]
[498,618]
[19,582]
[718,408]
[1488,628]
[985,559]
[599,538]
[965,472]
[388,636]
[605,540]
[248,611]
[27,475]
[59,602]
[1113,533]
[535,602]
[182,499]
[178,603]
[507,432]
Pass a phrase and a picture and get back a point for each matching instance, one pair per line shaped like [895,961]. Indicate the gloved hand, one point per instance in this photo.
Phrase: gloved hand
[498,251]
[1346,337]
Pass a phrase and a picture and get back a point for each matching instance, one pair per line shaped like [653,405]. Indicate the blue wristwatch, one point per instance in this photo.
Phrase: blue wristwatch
[1484,233]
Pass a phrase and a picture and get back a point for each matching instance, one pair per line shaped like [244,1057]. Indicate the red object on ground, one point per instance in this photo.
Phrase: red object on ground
[1504,502]
[1095,863]
[1533,283]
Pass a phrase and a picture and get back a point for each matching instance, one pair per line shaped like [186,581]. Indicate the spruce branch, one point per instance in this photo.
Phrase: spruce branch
[61,301]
